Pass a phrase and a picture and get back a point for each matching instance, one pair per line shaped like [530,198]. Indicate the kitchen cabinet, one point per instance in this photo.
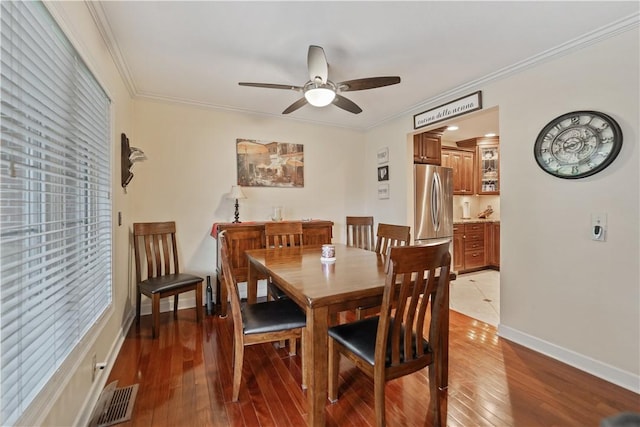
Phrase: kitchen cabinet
[493,244]
[463,164]
[458,247]
[476,246]
[474,253]
[427,147]
[487,163]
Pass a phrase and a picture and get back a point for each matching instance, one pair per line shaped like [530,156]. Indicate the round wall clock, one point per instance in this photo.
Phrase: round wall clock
[578,144]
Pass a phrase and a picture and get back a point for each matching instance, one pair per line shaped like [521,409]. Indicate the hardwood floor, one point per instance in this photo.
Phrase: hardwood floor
[185,379]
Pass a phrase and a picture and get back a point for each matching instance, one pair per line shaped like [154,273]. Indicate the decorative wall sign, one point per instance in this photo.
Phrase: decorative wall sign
[383,191]
[269,164]
[383,155]
[457,107]
[383,173]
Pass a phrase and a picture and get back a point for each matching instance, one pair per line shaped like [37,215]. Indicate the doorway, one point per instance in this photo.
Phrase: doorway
[475,294]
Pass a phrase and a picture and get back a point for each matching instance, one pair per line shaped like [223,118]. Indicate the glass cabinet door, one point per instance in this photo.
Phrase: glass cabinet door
[488,169]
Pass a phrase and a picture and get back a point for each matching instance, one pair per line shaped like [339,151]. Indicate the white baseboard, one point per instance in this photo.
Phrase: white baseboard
[594,367]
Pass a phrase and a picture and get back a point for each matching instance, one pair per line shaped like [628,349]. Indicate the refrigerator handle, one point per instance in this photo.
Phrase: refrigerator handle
[436,205]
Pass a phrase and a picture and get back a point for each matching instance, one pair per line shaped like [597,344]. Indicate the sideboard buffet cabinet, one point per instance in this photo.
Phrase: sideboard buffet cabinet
[244,236]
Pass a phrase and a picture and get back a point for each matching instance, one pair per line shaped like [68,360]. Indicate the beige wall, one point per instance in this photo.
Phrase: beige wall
[561,293]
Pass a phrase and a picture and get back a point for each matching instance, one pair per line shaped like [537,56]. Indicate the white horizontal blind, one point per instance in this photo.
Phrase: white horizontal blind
[55,205]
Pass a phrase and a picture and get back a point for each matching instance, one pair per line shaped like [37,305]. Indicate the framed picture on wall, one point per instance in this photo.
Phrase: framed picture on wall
[383,191]
[383,155]
[383,173]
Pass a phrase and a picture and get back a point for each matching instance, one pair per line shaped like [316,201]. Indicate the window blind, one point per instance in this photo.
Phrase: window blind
[55,207]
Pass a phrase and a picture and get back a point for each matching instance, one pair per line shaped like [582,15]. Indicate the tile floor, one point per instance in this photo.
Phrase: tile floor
[477,295]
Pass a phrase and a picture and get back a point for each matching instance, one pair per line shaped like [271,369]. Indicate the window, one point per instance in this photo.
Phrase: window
[55,206]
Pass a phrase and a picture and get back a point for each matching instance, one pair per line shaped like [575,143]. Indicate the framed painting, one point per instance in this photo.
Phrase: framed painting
[269,163]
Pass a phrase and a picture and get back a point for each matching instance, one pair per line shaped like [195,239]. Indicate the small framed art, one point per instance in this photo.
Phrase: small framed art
[383,191]
[383,155]
[383,173]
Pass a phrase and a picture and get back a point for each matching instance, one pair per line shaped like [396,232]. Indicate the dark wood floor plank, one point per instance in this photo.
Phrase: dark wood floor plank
[185,378]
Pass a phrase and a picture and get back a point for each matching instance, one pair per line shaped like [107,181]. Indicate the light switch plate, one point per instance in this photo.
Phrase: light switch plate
[598,226]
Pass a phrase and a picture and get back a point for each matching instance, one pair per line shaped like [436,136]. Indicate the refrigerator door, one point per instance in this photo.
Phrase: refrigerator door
[433,202]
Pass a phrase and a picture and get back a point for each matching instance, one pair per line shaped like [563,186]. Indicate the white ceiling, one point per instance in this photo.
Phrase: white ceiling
[197,52]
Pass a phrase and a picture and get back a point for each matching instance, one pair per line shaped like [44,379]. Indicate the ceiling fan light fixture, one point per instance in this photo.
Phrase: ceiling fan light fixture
[319,95]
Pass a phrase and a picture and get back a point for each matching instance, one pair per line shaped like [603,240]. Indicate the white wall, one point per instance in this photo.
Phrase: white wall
[562,293]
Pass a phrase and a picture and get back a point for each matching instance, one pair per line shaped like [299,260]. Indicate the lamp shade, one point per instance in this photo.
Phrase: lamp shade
[236,193]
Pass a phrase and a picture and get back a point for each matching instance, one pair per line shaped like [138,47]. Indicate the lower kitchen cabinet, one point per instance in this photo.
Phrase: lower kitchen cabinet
[493,244]
[476,246]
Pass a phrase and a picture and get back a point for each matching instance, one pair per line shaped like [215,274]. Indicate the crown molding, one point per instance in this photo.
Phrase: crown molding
[102,23]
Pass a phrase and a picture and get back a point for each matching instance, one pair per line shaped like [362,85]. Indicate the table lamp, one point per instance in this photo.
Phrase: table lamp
[236,193]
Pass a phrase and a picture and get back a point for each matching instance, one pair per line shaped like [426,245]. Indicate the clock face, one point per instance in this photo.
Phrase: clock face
[578,144]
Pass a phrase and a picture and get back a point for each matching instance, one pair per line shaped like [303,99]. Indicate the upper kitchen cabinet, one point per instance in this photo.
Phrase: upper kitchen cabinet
[487,163]
[427,147]
[463,164]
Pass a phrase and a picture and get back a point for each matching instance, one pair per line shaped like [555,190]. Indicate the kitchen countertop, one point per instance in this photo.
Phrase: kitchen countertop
[474,220]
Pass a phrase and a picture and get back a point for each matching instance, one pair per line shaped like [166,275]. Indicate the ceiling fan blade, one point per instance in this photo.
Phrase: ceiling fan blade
[298,104]
[271,86]
[368,83]
[317,64]
[346,104]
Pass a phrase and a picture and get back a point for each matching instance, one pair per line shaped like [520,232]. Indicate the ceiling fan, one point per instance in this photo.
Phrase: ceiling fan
[319,91]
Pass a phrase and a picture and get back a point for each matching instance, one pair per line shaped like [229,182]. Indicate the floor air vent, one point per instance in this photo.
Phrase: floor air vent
[114,406]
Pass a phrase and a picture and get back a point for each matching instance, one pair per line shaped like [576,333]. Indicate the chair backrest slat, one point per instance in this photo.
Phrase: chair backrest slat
[281,234]
[411,287]
[392,235]
[360,232]
[155,244]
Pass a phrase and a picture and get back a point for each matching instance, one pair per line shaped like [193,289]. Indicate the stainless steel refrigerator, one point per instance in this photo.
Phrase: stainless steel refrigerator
[433,203]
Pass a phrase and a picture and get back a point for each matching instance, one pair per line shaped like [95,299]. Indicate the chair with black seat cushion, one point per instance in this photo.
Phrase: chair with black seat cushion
[392,344]
[387,235]
[264,322]
[277,235]
[156,248]
[360,232]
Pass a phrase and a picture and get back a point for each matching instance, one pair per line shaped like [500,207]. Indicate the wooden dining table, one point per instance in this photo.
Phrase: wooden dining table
[323,289]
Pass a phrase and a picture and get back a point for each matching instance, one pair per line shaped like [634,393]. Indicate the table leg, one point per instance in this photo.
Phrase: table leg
[317,325]
[252,283]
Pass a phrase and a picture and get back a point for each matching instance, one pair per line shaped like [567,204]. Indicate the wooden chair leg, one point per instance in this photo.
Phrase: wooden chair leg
[435,404]
[334,371]
[175,306]
[238,359]
[378,394]
[155,315]
[292,346]
[199,302]
[138,302]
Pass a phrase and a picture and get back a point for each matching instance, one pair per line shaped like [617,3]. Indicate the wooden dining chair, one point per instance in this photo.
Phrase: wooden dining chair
[392,344]
[360,232]
[270,321]
[156,255]
[277,235]
[387,235]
